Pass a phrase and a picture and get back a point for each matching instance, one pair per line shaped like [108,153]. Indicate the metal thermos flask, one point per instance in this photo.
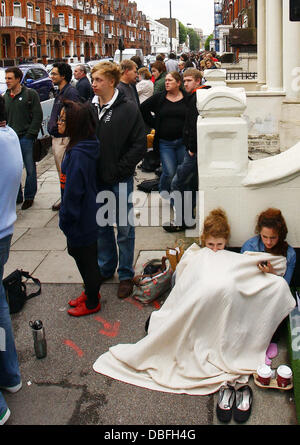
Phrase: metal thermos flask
[40,344]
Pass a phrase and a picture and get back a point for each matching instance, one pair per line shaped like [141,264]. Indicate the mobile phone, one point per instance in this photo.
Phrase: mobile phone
[264,263]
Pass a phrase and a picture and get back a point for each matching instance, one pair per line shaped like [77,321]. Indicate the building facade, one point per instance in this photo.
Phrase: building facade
[57,29]
[159,35]
[238,30]
[173,26]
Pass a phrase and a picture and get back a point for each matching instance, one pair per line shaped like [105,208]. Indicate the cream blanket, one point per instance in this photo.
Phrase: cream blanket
[214,327]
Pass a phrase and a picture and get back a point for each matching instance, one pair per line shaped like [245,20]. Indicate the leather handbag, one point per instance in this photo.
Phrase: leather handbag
[41,146]
[15,290]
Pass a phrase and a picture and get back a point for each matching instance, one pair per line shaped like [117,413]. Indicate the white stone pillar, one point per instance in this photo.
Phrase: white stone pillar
[291,54]
[274,45]
[261,42]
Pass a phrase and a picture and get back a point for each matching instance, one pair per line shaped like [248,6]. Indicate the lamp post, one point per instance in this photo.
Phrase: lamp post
[170,27]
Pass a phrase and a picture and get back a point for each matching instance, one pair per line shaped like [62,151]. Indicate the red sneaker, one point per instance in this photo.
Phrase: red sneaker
[78,300]
[81,299]
[81,310]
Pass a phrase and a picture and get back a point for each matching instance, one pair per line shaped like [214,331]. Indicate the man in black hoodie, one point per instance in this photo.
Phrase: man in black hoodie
[122,137]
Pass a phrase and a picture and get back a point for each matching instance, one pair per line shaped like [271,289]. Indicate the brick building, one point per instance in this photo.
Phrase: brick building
[56,29]
[240,16]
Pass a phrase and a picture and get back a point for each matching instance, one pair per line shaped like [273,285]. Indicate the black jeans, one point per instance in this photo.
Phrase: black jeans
[86,258]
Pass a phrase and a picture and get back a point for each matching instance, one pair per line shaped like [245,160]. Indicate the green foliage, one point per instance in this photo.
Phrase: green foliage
[207,42]
[182,33]
[194,40]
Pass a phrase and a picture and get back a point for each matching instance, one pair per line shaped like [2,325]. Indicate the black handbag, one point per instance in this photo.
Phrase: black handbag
[15,290]
[41,146]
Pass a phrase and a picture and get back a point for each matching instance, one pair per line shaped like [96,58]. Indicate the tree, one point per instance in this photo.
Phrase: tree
[182,33]
[207,42]
[194,40]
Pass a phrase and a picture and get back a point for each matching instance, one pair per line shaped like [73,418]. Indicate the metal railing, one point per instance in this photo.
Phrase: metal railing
[241,76]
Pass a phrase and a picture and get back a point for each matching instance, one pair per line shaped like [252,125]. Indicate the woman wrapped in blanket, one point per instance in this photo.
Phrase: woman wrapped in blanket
[271,231]
[215,326]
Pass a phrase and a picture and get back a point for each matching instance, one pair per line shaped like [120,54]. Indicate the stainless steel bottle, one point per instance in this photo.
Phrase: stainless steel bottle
[40,344]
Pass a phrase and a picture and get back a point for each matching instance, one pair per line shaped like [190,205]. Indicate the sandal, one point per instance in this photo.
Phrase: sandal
[243,404]
[225,403]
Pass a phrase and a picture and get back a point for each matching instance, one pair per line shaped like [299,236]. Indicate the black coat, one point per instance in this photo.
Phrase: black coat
[123,142]
[84,89]
[190,125]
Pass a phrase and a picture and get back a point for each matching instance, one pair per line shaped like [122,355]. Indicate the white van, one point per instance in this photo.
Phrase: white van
[128,53]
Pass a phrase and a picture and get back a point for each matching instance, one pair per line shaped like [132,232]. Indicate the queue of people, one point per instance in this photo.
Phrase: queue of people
[98,140]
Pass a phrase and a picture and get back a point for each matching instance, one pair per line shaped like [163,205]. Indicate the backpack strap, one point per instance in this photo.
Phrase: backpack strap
[36,281]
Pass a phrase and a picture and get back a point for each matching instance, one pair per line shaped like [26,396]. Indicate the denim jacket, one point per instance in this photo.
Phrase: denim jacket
[255,244]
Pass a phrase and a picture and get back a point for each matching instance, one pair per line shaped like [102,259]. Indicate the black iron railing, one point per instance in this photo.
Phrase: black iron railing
[241,76]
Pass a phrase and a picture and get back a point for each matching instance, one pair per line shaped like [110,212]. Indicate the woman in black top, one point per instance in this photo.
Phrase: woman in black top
[169,110]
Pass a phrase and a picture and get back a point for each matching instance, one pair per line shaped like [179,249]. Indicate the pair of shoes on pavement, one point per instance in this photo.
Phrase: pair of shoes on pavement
[234,402]
[12,389]
[79,308]
[173,228]
[26,204]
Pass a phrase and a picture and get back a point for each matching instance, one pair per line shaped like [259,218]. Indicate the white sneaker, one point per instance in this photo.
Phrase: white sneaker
[4,417]
[12,389]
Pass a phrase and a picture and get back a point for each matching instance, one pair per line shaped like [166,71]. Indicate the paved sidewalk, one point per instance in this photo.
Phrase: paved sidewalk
[63,389]
[39,246]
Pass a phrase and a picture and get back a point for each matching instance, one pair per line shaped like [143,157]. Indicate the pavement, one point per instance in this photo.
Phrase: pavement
[63,389]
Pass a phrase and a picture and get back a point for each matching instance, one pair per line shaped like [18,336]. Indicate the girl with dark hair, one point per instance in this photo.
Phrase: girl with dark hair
[271,235]
[77,216]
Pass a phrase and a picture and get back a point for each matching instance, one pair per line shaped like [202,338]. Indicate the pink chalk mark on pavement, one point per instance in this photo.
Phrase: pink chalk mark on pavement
[110,330]
[76,348]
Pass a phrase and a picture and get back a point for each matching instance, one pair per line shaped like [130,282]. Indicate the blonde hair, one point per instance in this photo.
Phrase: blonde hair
[127,65]
[108,69]
[215,225]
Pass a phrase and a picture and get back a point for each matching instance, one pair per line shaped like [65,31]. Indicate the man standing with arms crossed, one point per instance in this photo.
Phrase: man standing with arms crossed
[122,137]
[24,116]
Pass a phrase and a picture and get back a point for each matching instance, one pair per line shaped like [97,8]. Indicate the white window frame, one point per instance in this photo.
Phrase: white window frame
[47,16]
[37,15]
[30,16]
[17,9]
[3,8]
[61,19]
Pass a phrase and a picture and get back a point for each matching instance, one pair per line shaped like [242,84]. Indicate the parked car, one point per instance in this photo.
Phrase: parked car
[92,63]
[34,76]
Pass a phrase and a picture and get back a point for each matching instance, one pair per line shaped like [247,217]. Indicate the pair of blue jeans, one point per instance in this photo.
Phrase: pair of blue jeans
[186,180]
[30,188]
[9,366]
[171,156]
[120,200]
